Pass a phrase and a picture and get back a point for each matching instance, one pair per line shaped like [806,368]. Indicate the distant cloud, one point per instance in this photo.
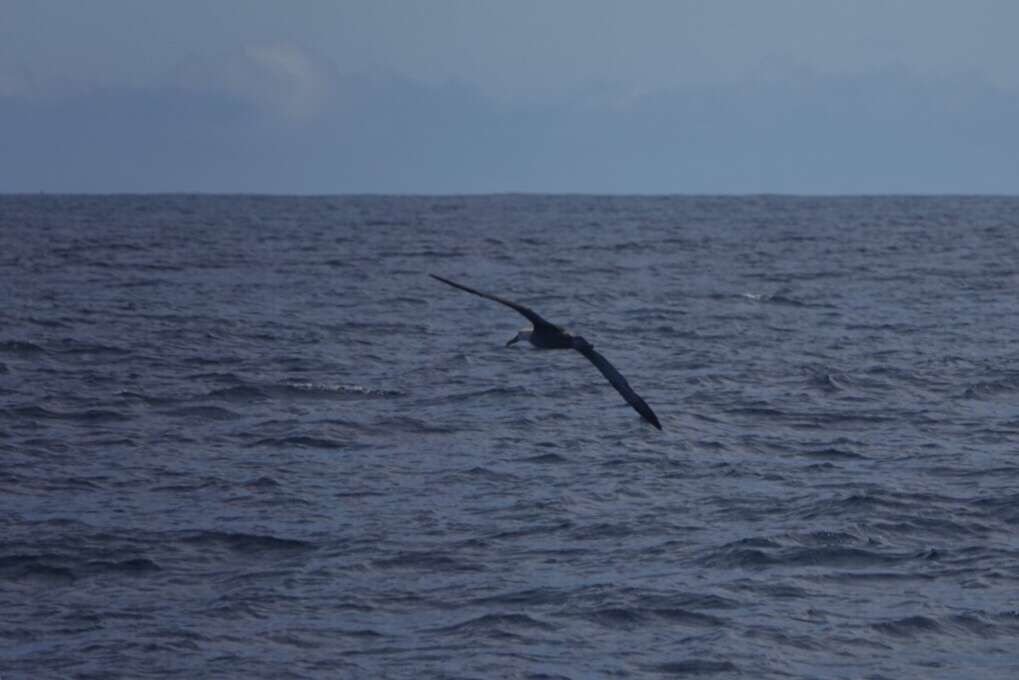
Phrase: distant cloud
[283,80]
[272,118]
[20,81]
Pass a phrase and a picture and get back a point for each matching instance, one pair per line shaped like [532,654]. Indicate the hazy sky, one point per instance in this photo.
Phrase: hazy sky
[308,59]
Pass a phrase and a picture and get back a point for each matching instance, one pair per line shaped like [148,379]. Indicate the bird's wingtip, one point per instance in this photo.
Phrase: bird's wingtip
[650,416]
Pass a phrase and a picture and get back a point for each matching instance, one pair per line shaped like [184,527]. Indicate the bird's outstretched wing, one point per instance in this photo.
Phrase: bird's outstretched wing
[618,381]
[531,315]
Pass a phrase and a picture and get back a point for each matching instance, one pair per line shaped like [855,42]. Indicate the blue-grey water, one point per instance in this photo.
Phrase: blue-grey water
[249,437]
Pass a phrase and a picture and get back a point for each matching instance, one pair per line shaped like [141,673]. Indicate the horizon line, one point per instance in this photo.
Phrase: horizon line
[493,194]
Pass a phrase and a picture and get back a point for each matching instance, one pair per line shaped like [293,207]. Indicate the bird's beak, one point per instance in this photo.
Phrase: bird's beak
[512,340]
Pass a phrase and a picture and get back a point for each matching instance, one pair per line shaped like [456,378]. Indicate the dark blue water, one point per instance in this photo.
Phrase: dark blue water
[249,437]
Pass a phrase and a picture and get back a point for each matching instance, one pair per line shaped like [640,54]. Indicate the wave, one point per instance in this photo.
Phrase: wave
[427,560]
[55,569]
[288,391]
[778,299]
[613,617]
[695,667]
[834,453]
[239,393]
[73,346]
[992,389]
[473,395]
[498,622]
[246,542]
[204,413]
[407,424]
[545,459]
[763,553]
[49,569]
[302,442]
[88,415]
[132,567]
[909,626]
[20,347]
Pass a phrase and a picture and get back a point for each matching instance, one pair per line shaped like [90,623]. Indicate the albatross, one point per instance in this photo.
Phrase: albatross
[546,335]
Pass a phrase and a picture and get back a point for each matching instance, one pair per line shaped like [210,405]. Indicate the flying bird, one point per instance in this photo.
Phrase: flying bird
[546,335]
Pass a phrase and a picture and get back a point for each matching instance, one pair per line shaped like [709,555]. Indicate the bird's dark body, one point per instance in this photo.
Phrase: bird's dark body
[545,335]
[551,337]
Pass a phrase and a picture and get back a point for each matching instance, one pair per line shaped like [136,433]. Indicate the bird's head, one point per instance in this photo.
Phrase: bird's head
[522,335]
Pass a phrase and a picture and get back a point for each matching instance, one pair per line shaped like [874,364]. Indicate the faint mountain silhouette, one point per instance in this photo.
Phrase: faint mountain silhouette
[277,120]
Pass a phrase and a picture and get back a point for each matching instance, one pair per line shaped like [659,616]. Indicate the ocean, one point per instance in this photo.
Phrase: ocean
[247,436]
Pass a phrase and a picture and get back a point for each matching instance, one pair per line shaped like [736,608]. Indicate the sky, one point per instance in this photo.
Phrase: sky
[351,96]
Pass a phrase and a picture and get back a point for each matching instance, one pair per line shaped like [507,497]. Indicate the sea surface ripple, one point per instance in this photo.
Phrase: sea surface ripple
[248,436]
